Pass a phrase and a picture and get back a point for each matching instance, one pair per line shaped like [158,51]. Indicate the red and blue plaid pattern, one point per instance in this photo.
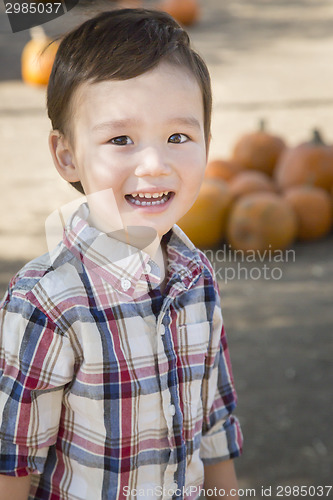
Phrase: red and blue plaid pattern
[110,389]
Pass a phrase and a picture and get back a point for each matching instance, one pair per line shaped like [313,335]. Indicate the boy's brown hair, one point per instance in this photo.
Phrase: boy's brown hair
[119,45]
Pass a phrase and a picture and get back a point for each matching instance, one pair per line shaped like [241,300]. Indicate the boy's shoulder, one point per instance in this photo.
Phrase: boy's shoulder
[41,280]
[51,273]
[37,269]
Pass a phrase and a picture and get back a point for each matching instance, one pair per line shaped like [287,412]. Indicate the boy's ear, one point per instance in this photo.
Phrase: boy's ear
[62,156]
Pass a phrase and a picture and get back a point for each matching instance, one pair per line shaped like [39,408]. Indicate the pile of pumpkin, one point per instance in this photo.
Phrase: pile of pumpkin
[266,196]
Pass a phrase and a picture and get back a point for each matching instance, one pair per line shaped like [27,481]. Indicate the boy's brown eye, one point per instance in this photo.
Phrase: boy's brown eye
[178,138]
[121,140]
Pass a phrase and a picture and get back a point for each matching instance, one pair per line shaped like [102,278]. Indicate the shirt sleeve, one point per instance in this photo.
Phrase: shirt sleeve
[36,362]
[221,433]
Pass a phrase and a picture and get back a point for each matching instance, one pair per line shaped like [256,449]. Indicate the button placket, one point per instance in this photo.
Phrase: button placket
[162,369]
[168,481]
[169,409]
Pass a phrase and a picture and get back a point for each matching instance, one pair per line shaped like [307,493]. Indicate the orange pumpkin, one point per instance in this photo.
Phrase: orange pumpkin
[205,222]
[313,207]
[251,181]
[184,11]
[222,169]
[38,57]
[260,222]
[309,163]
[259,150]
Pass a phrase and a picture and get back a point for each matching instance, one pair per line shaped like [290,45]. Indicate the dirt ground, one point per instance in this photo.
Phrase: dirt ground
[268,59]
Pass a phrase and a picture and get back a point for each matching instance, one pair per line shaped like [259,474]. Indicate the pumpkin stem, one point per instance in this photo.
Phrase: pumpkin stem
[262,125]
[317,139]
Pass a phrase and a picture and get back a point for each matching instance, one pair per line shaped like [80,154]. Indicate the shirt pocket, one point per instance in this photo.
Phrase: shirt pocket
[193,349]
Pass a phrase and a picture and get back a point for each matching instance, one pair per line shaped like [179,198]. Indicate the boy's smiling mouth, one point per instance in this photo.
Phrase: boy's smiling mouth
[145,199]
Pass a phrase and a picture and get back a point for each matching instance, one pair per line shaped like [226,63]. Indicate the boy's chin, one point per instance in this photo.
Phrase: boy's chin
[136,236]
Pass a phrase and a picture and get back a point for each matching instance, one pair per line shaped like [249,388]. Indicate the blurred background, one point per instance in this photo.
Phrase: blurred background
[268,60]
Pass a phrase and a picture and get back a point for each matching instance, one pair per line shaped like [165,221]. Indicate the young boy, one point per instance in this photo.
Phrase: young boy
[115,373]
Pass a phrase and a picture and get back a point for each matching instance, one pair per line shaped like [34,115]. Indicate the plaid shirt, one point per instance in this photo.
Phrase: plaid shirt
[109,389]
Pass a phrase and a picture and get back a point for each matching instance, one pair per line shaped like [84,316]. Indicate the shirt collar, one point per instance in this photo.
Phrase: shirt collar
[128,269]
[185,262]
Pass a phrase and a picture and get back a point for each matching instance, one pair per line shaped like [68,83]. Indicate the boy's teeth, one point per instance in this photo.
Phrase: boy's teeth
[150,197]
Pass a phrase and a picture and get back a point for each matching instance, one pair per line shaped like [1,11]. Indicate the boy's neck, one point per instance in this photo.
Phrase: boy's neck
[158,253]
[157,250]
[143,239]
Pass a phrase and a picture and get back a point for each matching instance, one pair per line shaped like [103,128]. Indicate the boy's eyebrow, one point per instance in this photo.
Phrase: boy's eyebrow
[115,124]
[190,121]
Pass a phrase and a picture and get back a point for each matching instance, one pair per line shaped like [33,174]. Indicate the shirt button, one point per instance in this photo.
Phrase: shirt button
[173,488]
[148,268]
[125,284]
[172,410]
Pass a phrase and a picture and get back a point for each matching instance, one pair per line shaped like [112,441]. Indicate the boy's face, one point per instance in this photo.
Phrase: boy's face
[145,136]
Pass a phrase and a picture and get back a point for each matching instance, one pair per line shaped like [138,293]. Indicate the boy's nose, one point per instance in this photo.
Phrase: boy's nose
[152,162]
